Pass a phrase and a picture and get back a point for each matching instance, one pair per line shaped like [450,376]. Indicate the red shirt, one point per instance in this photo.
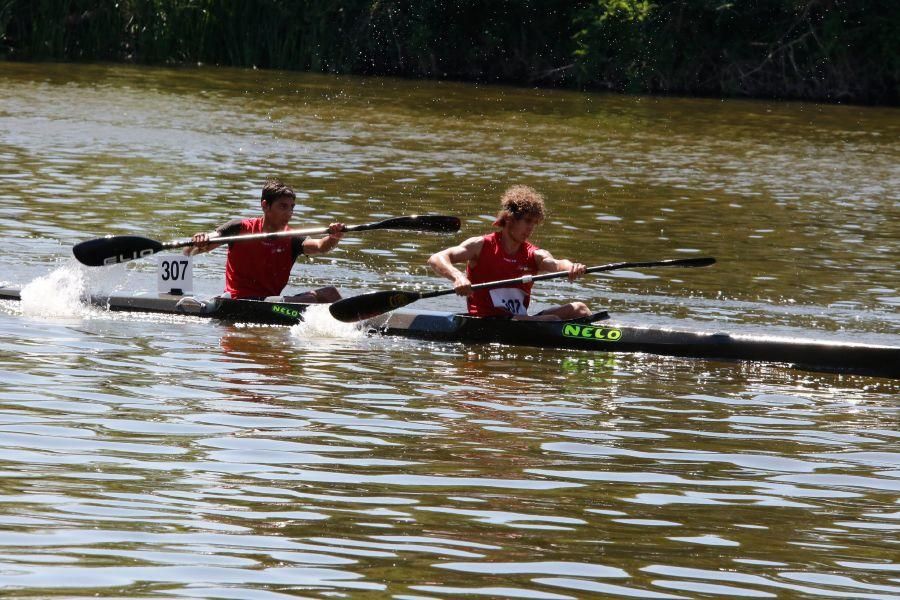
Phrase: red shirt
[494,264]
[258,268]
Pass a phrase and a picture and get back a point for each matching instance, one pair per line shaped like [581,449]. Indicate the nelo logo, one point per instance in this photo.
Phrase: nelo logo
[287,311]
[595,333]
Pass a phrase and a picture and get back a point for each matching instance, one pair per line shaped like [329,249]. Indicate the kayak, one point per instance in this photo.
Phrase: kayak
[598,333]
[602,334]
[223,309]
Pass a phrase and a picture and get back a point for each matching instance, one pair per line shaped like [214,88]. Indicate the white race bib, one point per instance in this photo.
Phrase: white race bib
[509,299]
[175,272]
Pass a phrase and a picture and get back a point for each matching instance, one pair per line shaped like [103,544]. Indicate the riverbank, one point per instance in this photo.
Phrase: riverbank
[837,52]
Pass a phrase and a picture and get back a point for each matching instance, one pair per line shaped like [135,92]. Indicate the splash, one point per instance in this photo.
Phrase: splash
[60,293]
[64,292]
[318,323]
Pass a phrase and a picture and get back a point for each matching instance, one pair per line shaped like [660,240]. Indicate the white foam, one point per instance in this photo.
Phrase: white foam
[318,323]
[57,294]
[63,292]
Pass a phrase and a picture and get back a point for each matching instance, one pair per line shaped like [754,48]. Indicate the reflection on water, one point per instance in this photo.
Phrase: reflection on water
[439,470]
[146,455]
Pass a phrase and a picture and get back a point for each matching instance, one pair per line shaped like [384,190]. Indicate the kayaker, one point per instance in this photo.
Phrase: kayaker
[257,269]
[507,254]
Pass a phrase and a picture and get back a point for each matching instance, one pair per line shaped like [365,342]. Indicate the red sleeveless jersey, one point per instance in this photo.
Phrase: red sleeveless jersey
[493,264]
[258,268]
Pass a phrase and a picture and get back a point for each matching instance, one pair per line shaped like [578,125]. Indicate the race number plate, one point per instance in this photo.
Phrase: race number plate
[510,299]
[175,274]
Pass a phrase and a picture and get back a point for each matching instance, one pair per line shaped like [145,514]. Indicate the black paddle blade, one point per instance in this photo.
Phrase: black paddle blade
[114,249]
[704,261]
[434,223]
[366,306]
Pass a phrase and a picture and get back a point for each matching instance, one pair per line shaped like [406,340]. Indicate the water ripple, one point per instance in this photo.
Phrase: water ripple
[153,455]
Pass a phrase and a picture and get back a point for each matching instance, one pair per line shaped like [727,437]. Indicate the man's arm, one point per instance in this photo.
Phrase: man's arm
[442,263]
[203,242]
[325,244]
[547,264]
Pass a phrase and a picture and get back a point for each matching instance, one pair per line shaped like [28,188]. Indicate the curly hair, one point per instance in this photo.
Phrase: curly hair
[520,201]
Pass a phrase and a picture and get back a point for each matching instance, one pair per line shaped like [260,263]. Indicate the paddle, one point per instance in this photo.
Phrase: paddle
[121,248]
[366,306]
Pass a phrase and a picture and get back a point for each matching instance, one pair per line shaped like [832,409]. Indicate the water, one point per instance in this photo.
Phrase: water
[147,456]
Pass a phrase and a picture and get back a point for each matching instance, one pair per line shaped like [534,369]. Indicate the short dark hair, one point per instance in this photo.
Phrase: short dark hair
[274,189]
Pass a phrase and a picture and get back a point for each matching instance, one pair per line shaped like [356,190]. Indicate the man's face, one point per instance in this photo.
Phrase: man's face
[521,229]
[279,211]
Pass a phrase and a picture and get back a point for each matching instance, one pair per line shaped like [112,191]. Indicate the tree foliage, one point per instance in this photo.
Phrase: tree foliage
[837,50]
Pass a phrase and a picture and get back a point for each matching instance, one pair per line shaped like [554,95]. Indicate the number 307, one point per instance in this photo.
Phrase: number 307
[513,306]
[173,269]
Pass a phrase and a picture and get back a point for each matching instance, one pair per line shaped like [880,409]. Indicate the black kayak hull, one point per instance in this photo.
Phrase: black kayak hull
[608,336]
[262,312]
[597,336]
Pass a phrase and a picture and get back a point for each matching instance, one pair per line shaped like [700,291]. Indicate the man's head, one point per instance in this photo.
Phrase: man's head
[274,189]
[519,202]
[277,203]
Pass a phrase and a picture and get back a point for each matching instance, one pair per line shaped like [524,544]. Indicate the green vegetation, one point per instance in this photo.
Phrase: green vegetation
[834,50]
[823,49]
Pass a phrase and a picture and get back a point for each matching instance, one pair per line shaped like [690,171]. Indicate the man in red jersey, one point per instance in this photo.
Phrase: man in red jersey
[257,269]
[507,254]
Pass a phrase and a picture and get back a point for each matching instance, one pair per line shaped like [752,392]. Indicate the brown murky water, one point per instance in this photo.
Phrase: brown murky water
[157,457]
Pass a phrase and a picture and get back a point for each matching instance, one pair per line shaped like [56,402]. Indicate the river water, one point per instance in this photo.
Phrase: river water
[148,457]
